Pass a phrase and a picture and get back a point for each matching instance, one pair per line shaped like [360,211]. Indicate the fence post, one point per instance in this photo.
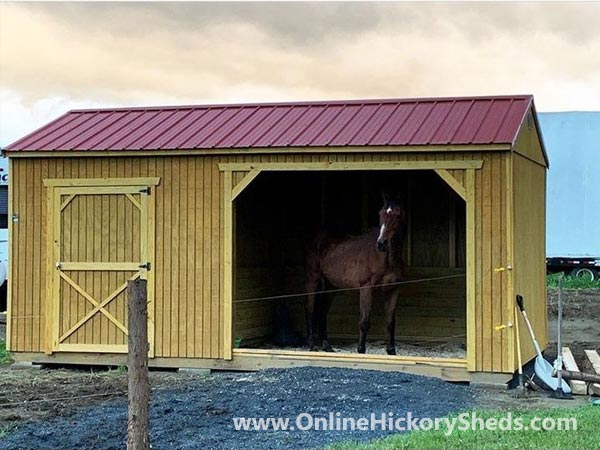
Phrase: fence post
[138,391]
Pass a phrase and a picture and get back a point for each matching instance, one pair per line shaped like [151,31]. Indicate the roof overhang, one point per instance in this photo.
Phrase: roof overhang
[263,150]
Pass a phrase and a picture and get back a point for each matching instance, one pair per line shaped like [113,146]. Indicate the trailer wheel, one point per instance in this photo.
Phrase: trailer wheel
[585,272]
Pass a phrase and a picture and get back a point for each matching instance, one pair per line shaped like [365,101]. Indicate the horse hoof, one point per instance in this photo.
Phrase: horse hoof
[328,348]
[390,351]
[361,350]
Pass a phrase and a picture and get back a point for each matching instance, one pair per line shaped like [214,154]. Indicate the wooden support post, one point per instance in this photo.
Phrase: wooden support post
[138,390]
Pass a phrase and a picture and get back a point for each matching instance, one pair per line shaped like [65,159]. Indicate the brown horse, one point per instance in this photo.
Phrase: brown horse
[360,262]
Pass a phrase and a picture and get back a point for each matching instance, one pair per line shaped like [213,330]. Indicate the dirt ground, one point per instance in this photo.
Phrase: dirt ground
[37,394]
[581,323]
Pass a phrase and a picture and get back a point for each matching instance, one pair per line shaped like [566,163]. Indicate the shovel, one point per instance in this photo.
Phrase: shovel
[543,369]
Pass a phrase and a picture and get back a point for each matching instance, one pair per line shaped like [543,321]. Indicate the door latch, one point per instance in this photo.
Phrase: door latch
[145,190]
[145,266]
[58,265]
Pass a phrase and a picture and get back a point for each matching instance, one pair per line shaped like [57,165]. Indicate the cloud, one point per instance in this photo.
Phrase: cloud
[153,53]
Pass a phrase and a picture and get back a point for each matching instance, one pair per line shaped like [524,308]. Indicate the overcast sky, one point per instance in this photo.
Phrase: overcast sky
[59,56]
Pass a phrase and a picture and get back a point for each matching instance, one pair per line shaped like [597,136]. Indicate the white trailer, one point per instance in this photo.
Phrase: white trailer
[572,140]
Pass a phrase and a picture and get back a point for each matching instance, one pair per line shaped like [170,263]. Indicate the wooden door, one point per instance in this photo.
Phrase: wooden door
[101,240]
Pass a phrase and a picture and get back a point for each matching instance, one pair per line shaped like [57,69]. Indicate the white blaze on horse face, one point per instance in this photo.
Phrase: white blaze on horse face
[389,210]
[381,232]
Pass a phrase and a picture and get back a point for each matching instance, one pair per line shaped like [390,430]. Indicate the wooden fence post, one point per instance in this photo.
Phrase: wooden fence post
[138,391]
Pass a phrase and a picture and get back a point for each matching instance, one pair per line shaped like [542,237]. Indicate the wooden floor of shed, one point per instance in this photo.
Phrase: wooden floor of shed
[449,369]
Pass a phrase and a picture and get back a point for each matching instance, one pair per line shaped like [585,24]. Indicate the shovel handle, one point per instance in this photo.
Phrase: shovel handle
[520,302]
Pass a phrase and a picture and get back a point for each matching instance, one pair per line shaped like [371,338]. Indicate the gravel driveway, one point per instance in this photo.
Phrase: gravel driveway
[199,413]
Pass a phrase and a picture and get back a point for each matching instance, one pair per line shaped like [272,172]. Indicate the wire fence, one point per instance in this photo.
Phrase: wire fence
[331,291]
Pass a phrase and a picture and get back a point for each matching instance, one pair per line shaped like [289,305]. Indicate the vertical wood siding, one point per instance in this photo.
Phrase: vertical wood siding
[189,247]
[530,248]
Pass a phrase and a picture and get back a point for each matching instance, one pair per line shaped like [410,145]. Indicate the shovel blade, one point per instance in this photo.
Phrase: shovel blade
[543,370]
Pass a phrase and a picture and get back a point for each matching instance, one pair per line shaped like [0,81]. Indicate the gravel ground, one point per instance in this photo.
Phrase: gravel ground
[199,414]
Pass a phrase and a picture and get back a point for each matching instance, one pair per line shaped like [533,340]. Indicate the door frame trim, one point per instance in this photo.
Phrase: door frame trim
[89,186]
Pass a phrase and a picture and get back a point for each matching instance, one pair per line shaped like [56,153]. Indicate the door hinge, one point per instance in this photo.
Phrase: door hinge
[145,190]
[145,266]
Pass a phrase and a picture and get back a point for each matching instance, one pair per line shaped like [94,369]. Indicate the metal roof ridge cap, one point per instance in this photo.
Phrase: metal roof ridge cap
[305,103]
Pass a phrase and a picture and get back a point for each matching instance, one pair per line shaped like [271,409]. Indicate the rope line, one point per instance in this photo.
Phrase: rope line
[329,291]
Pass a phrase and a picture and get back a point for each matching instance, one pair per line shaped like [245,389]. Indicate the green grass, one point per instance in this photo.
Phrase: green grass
[4,355]
[570,282]
[587,435]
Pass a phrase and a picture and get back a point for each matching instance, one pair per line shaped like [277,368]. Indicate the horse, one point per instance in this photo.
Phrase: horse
[357,262]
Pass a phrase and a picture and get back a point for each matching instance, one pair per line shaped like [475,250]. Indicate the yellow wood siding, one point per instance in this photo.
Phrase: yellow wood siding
[529,187]
[528,142]
[189,246]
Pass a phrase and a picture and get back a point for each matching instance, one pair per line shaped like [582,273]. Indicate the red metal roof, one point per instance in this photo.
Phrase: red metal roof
[427,121]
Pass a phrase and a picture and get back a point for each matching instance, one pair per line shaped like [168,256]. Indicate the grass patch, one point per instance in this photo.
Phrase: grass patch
[586,436]
[570,282]
[4,355]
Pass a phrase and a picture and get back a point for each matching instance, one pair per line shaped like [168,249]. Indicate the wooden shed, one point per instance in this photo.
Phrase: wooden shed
[210,204]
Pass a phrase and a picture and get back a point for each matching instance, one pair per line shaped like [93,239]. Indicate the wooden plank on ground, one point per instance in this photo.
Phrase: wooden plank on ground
[594,359]
[577,386]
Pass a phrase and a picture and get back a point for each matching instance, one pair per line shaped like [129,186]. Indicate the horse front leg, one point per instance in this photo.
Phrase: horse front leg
[309,309]
[366,302]
[325,305]
[390,322]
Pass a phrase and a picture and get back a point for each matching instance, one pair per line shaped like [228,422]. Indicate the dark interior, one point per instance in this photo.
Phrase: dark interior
[279,214]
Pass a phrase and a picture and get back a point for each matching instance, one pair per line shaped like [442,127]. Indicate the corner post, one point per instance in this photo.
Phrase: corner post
[227,266]
[470,204]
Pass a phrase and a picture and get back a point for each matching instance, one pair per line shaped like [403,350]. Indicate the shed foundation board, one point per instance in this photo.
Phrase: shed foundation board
[250,362]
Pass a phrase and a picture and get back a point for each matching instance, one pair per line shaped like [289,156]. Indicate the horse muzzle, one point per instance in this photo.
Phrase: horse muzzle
[382,245]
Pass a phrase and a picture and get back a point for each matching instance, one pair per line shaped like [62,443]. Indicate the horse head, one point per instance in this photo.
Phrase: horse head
[391,219]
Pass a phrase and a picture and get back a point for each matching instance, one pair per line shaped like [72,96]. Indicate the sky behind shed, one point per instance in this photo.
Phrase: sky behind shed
[59,56]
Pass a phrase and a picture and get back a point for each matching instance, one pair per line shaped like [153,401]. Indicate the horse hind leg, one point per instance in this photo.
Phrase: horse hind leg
[366,302]
[323,308]
[390,322]
[312,285]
